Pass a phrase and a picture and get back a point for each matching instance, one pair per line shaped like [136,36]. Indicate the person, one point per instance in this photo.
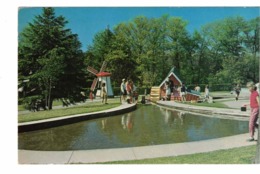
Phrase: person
[167,91]
[129,91]
[183,92]
[178,95]
[254,105]
[135,93]
[237,90]
[197,88]
[83,96]
[206,93]
[123,90]
[104,93]
[171,84]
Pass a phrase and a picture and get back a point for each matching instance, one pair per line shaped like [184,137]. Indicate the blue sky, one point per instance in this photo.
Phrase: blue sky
[86,22]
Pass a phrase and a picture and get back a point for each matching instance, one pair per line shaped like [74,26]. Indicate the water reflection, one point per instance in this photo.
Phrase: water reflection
[172,117]
[127,122]
[148,125]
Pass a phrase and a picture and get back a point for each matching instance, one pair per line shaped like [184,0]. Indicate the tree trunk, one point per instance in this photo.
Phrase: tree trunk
[49,97]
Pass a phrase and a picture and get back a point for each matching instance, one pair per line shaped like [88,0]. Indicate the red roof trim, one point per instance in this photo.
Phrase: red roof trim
[103,74]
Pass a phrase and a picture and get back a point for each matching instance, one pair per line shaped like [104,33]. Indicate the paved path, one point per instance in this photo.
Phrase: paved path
[207,110]
[132,153]
[236,104]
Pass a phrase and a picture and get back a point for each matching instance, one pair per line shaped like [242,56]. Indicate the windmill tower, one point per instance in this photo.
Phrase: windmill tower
[101,77]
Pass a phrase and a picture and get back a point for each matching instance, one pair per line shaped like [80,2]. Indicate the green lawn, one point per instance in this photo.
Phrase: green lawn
[55,103]
[87,108]
[241,155]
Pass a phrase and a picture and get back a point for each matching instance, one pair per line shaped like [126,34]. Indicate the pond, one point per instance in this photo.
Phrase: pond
[147,125]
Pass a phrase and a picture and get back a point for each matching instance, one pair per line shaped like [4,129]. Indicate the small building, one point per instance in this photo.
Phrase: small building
[191,95]
[104,77]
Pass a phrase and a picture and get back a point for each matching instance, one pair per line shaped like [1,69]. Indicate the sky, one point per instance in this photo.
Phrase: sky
[88,21]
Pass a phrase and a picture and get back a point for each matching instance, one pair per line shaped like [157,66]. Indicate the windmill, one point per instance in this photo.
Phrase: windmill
[101,77]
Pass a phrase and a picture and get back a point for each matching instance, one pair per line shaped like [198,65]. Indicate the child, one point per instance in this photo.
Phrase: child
[254,105]
[104,93]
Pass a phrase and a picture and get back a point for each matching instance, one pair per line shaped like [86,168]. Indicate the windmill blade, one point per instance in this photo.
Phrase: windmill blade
[94,84]
[103,67]
[92,70]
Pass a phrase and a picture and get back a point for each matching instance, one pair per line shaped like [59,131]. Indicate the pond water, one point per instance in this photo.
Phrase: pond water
[148,125]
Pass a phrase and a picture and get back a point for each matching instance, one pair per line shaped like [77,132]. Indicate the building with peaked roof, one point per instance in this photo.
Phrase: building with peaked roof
[173,75]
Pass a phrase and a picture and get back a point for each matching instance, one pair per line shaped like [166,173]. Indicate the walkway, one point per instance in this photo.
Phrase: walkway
[132,153]
[236,112]
[143,152]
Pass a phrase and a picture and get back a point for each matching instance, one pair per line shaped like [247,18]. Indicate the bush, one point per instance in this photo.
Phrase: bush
[28,101]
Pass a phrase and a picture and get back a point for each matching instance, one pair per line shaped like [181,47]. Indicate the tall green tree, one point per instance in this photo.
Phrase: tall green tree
[158,64]
[222,52]
[176,36]
[102,45]
[49,56]
[121,61]
[229,41]
[252,43]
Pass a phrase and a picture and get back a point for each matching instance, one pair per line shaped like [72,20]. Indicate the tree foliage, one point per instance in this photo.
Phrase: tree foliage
[50,58]
[143,49]
[222,52]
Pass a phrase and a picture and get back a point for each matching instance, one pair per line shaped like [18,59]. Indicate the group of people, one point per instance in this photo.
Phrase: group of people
[127,88]
[182,90]
[254,105]
[128,91]
[169,88]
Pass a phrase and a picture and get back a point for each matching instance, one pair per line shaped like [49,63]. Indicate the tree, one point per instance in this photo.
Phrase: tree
[176,35]
[231,46]
[50,58]
[102,44]
[121,61]
[252,44]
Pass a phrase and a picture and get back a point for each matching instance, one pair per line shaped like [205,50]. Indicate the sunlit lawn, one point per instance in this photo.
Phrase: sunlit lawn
[55,103]
[86,108]
[241,155]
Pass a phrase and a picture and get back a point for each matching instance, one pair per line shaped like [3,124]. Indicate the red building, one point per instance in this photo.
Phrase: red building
[191,95]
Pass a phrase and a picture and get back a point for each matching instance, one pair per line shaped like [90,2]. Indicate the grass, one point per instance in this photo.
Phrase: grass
[21,108]
[241,155]
[87,108]
[55,103]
